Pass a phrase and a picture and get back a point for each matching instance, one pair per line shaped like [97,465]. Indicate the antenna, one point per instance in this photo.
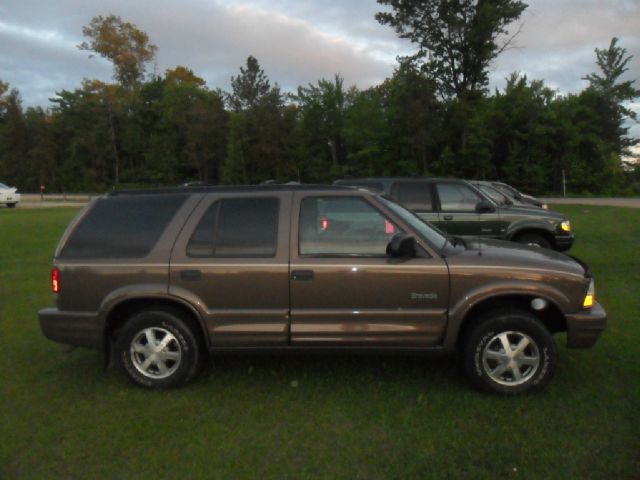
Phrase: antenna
[479,242]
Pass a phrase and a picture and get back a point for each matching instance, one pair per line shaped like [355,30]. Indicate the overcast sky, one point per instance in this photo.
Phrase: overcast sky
[296,41]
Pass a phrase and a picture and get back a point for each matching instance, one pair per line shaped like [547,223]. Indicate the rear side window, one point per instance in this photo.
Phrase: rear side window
[415,196]
[237,227]
[122,227]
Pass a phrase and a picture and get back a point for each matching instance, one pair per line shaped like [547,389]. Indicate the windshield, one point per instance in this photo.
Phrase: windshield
[2,185]
[495,195]
[431,233]
[507,189]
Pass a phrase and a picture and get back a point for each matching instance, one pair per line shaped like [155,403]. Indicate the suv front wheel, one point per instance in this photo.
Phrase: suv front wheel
[157,349]
[533,240]
[509,352]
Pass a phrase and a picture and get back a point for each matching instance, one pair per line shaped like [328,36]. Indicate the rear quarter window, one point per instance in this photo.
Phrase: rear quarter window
[122,227]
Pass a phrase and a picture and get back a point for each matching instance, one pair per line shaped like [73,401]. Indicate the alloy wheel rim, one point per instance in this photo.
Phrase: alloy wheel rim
[511,358]
[156,352]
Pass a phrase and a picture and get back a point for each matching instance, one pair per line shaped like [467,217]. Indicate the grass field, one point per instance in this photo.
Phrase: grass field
[316,417]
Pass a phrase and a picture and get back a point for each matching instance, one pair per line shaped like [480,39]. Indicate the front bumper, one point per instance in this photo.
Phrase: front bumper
[584,328]
[564,242]
[80,329]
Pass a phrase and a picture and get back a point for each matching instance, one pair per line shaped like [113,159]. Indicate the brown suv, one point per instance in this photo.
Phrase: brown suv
[162,277]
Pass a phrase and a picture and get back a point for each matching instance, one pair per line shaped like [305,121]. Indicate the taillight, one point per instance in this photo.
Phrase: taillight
[324,224]
[55,280]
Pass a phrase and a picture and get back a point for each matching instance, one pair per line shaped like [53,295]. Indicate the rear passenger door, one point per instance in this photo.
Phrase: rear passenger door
[416,196]
[231,260]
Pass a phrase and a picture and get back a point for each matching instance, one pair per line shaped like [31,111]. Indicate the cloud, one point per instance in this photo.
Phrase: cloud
[214,39]
[297,42]
[558,39]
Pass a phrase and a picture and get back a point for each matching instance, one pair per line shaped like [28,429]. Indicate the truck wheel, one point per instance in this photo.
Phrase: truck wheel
[509,352]
[11,205]
[157,349]
[533,240]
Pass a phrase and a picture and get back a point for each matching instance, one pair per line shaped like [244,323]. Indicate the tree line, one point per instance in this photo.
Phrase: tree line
[433,116]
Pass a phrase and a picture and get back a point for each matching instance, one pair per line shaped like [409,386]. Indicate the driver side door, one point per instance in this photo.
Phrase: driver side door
[346,291]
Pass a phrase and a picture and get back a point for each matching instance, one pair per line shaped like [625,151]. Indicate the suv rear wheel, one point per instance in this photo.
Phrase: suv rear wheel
[509,352]
[157,349]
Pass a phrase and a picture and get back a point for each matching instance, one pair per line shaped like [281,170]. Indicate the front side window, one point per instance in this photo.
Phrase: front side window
[343,226]
[457,197]
[237,227]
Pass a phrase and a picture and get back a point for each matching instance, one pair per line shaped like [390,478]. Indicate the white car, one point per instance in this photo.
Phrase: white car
[9,196]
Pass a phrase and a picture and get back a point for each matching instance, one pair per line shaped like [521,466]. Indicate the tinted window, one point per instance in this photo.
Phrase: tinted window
[237,227]
[122,226]
[343,226]
[457,197]
[415,196]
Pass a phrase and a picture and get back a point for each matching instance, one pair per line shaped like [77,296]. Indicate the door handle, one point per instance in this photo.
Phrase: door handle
[302,275]
[448,217]
[191,275]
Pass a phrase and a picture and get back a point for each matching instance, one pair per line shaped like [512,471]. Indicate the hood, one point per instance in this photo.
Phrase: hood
[499,253]
[531,210]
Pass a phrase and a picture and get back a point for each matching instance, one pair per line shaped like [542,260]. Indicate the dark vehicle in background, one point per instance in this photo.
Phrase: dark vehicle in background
[163,277]
[496,195]
[461,209]
[519,196]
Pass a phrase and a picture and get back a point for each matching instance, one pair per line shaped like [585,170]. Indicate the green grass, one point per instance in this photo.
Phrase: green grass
[316,417]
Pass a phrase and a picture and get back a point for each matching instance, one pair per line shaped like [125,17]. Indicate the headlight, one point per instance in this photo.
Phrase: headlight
[545,206]
[566,226]
[590,297]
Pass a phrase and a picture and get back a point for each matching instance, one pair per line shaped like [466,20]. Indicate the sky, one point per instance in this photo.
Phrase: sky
[296,41]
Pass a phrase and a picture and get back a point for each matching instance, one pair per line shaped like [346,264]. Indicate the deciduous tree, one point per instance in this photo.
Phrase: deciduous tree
[123,44]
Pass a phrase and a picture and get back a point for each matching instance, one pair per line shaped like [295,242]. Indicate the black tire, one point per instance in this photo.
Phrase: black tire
[172,366]
[11,205]
[534,240]
[482,355]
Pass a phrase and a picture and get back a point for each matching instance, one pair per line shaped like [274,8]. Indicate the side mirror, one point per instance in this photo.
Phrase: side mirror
[401,245]
[484,207]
